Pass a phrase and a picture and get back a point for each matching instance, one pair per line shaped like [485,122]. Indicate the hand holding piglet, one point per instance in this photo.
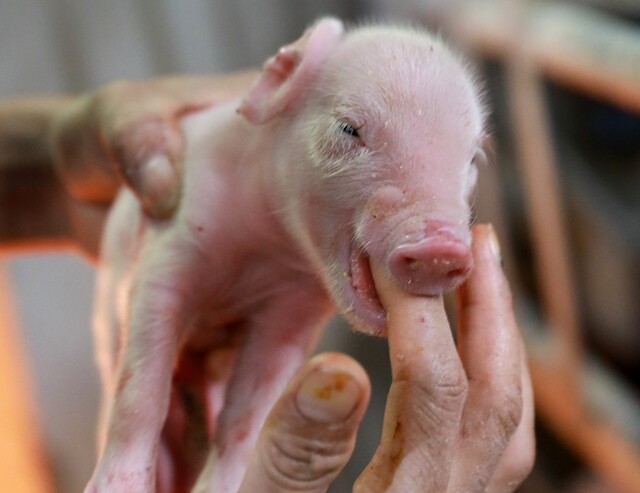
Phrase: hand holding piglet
[338,163]
[456,421]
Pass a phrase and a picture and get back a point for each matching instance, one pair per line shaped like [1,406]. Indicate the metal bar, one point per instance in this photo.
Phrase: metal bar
[545,213]
[575,45]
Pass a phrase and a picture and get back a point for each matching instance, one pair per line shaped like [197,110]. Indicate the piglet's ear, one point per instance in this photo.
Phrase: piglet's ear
[285,75]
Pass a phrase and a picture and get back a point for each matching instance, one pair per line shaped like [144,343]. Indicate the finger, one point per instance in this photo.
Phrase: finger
[144,134]
[147,153]
[519,457]
[309,435]
[426,397]
[489,344]
[197,92]
[138,133]
[159,187]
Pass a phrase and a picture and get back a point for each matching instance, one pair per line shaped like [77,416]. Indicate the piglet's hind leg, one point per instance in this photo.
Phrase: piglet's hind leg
[143,382]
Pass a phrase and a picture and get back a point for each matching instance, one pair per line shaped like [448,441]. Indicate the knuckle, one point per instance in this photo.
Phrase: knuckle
[438,401]
[120,106]
[112,94]
[304,463]
[111,113]
[447,391]
[133,121]
[136,140]
[504,405]
[499,413]
[508,414]
[107,102]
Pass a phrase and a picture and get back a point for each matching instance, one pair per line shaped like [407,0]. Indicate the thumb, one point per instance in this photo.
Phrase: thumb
[310,433]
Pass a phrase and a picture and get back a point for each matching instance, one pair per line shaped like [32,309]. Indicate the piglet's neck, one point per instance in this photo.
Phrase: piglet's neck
[259,201]
[277,158]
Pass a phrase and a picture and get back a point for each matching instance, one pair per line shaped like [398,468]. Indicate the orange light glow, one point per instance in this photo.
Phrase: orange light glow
[22,467]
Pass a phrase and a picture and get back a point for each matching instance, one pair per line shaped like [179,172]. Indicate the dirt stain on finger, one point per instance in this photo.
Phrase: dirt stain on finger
[385,465]
[337,384]
[397,447]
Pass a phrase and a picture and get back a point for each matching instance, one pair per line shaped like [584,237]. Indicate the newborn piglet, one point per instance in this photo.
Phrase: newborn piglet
[352,147]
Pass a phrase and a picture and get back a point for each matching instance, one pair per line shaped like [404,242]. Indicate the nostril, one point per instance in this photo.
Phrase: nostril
[413,264]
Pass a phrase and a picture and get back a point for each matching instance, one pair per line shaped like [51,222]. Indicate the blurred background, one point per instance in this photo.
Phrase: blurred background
[563,83]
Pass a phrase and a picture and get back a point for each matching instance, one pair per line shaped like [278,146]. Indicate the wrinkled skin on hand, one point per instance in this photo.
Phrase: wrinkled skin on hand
[340,169]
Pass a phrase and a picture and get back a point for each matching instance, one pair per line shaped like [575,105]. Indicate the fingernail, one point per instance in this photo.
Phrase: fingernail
[327,396]
[494,244]
[160,185]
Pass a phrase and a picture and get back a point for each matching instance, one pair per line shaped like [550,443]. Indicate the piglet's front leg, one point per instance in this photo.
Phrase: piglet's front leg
[279,338]
[143,375]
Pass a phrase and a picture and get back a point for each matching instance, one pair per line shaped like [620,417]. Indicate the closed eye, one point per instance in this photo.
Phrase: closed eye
[348,129]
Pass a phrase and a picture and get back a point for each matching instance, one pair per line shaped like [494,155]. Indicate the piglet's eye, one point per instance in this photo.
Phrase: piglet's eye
[348,129]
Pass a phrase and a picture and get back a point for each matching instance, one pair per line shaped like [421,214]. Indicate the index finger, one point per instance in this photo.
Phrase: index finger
[421,345]
[426,397]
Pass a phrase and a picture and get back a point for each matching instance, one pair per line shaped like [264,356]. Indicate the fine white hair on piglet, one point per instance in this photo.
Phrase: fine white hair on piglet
[388,58]
[434,42]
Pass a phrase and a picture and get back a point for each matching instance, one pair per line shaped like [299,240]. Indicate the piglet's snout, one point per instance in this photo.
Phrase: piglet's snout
[438,262]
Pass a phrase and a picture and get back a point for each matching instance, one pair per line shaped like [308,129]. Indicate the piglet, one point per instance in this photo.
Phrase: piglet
[352,148]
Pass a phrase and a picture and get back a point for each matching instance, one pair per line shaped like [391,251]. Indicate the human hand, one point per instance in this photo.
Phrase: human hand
[128,131]
[457,419]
